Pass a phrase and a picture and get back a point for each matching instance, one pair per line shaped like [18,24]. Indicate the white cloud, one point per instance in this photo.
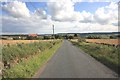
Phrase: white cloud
[107,14]
[25,25]
[19,19]
[19,10]
[101,16]
[62,13]
[36,25]
[40,13]
[87,17]
[77,27]
[16,9]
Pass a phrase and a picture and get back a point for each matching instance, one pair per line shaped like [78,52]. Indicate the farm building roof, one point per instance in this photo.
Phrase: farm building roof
[33,35]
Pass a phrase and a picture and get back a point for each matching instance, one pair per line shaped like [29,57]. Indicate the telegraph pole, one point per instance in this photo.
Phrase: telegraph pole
[53,31]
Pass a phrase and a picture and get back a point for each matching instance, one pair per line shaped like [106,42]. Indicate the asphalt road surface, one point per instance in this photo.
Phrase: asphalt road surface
[70,62]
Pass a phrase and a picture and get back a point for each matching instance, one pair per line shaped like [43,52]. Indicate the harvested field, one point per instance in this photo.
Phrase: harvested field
[105,41]
[4,42]
[74,40]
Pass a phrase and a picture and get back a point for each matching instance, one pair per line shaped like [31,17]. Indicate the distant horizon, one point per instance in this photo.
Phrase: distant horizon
[56,33]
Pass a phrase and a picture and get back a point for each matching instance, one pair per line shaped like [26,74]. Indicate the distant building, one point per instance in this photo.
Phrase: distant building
[33,35]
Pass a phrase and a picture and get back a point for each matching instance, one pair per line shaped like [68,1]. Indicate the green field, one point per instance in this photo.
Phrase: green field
[38,53]
[106,54]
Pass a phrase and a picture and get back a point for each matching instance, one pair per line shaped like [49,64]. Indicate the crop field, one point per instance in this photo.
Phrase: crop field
[4,42]
[105,41]
[74,40]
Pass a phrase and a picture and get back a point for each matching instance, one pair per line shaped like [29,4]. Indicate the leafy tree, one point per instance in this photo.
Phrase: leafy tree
[66,37]
[112,37]
[71,37]
[94,37]
[31,38]
[47,37]
[58,36]
[75,35]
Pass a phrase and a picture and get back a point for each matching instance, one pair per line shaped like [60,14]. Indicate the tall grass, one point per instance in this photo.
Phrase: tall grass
[27,68]
[11,52]
[107,54]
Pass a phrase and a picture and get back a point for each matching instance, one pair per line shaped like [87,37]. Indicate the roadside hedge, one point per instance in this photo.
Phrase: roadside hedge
[17,51]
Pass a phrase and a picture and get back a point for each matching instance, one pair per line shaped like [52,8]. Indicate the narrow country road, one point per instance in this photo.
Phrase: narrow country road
[70,62]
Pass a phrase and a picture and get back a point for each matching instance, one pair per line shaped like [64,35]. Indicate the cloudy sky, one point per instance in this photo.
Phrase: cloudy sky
[66,15]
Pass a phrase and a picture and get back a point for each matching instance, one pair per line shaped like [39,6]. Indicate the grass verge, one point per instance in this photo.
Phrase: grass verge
[106,54]
[26,69]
